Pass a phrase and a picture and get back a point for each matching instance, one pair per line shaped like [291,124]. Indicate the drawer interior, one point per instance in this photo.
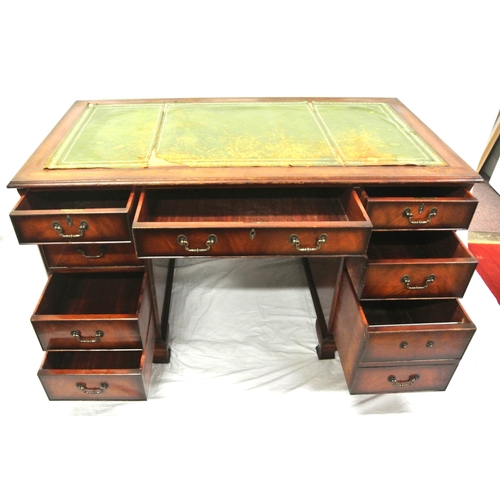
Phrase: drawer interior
[74,200]
[92,293]
[257,205]
[92,360]
[412,245]
[417,192]
[411,312]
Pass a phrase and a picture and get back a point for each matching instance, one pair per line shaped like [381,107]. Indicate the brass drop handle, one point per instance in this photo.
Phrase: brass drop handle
[183,241]
[87,340]
[406,281]
[409,215]
[95,390]
[403,383]
[84,225]
[102,250]
[294,240]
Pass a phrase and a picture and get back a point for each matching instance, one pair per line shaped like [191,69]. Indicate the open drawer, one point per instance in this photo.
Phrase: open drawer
[399,345]
[430,207]
[73,216]
[409,330]
[99,375]
[93,311]
[257,221]
[409,264]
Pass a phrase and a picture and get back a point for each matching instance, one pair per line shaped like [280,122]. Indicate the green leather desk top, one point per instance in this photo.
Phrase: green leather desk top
[240,134]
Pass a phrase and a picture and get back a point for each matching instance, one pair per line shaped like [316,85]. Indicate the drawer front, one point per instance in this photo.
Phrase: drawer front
[84,255]
[41,221]
[93,311]
[90,386]
[429,344]
[104,333]
[409,264]
[83,227]
[397,280]
[183,242]
[408,378]
[400,212]
[98,375]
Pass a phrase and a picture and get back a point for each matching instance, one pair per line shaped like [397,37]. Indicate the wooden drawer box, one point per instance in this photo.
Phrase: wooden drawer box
[402,334]
[408,330]
[93,311]
[269,221]
[409,264]
[99,375]
[81,255]
[428,207]
[70,216]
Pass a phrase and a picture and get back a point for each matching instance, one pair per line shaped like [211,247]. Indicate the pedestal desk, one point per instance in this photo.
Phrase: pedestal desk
[359,189]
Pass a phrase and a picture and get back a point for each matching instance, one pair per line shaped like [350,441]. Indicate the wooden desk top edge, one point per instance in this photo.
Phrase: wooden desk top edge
[33,174]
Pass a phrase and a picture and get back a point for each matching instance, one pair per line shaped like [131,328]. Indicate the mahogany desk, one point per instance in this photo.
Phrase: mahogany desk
[359,189]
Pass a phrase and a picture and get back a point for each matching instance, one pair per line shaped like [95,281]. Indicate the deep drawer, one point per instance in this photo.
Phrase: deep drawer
[93,311]
[408,264]
[419,208]
[409,330]
[374,333]
[73,216]
[98,375]
[272,221]
[83,255]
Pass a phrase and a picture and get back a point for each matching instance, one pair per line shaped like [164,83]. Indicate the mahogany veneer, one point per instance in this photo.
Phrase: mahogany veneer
[106,215]
[411,264]
[103,256]
[388,208]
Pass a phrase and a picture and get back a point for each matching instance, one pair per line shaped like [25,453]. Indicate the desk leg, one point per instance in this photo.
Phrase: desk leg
[161,310]
[323,275]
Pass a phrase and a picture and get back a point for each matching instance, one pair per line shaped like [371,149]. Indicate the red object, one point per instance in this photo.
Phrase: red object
[488,256]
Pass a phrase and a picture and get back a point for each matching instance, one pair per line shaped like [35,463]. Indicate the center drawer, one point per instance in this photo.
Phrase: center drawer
[258,221]
[93,311]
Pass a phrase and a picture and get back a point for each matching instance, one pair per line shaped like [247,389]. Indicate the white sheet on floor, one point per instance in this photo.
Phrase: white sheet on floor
[245,391]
